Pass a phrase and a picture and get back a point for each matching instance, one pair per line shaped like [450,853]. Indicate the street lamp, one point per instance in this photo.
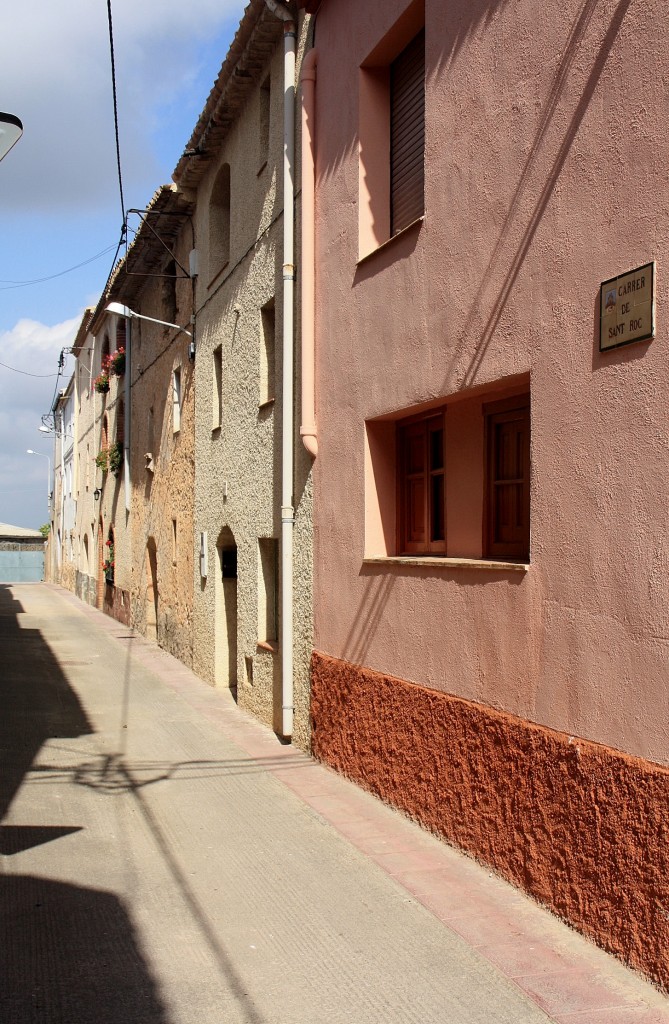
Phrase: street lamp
[57,433]
[11,131]
[120,310]
[29,451]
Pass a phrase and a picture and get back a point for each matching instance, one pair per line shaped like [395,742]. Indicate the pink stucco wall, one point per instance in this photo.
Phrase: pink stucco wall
[547,138]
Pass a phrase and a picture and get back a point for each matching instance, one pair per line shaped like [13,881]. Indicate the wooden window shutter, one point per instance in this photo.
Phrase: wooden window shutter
[407,135]
[508,481]
[422,520]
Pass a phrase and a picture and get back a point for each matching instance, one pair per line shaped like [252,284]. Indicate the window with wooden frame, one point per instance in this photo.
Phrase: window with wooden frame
[421,486]
[507,478]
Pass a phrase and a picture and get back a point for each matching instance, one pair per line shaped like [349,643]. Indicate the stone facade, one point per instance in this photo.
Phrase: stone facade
[208,256]
[238,401]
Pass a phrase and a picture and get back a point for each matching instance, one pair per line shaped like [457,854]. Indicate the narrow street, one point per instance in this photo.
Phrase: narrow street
[165,860]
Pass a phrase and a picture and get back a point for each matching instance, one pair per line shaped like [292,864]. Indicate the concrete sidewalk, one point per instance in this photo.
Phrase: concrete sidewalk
[165,860]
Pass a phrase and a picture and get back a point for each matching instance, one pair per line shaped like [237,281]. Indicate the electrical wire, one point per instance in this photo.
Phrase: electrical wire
[26,374]
[113,76]
[7,285]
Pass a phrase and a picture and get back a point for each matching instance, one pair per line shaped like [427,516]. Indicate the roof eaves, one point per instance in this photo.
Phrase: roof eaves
[254,42]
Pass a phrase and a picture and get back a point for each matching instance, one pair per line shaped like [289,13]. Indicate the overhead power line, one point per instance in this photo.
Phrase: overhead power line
[7,285]
[25,372]
[113,76]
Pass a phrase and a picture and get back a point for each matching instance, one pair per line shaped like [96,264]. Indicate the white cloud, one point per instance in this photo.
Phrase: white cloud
[55,75]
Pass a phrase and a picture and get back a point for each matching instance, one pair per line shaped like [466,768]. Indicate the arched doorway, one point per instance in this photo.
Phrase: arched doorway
[151,571]
[225,639]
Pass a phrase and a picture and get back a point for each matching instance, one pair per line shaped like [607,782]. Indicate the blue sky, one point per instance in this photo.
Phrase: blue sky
[59,195]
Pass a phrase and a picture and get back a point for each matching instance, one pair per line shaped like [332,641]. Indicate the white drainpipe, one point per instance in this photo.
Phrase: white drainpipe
[287,422]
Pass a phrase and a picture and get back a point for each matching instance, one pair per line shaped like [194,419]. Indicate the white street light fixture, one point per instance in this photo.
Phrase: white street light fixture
[29,451]
[57,433]
[120,310]
[11,131]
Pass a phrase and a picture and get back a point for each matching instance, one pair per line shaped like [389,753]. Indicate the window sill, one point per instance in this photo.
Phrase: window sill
[389,241]
[268,645]
[427,561]
[266,404]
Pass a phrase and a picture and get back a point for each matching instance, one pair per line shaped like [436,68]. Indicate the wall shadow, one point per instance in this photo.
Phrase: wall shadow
[36,701]
[508,257]
[68,953]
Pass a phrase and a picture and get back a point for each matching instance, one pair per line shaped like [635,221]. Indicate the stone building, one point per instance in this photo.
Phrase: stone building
[146,494]
[491,516]
[233,167]
[207,506]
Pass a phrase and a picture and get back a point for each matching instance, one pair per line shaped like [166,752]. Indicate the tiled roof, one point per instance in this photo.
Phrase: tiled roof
[255,40]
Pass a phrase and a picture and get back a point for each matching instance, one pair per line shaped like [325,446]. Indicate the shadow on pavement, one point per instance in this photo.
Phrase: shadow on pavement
[68,955]
[36,700]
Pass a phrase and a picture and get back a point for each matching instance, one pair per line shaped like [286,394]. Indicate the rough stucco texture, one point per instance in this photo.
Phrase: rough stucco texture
[580,826]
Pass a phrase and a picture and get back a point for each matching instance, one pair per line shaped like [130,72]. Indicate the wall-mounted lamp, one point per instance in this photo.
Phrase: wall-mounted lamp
[11,131]
[120,310]
[56,433]
[96,494]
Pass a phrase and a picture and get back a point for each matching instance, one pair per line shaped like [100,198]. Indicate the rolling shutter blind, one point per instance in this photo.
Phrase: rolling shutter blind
[407,134]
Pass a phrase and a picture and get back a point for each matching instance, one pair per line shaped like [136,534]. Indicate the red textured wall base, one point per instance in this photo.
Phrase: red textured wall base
[583,828]
[117,604]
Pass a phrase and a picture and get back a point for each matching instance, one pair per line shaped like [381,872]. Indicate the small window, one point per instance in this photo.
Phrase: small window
[268,596]
[120,333]
[452,481]
[507,509]
[421,479]
[176,400]
[120,422]
[267,352]
[219,222]
[169,296]
[263,122]
[217,389]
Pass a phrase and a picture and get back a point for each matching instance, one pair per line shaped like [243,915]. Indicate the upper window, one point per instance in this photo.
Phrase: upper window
[407,135]
[176,400]
[392,132]
[265,100]
[217,388]
[267,349]
[219,222]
